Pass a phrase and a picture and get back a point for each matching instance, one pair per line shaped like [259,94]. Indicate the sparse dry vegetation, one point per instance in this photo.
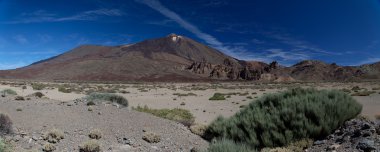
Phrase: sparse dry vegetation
[53,136]
[48,147]
[363,93]
[38,86]
[198,129]
[95,134]
[90,146]
[180,115]
[151,137]
[99,97]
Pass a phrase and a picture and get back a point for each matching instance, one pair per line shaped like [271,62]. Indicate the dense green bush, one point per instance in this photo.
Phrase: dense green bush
[107,97]
[225,145]
[180,115]
[217,96]
[279,119]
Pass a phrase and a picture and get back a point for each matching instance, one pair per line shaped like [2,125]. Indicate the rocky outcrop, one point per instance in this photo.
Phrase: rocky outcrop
[355,135]
[234,70]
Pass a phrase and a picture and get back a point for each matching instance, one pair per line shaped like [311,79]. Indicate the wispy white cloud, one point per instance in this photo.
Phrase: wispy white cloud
[7,66]
[26,53]
[368,61]
[209,39]
[43,16]
[21,39]
[287,55]
[298,44]
[233,49]
[156,5]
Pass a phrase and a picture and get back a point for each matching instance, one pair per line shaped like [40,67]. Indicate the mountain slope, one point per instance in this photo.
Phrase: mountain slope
[178,58]
[157,59]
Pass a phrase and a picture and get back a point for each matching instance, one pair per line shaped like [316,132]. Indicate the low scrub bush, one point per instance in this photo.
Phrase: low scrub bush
[276,120]
[19,98]
[5,124]
[217,96]
[48,147]
[64,90]
[53,136]
[225,145]
[38,86]
[198,129]
[38,94]
[8,92]
[90,146]
[180,115]
[184,94]
[151,137]
[107,97]
[95,134]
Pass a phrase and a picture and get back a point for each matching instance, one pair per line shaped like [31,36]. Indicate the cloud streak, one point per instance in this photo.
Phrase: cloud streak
[209,39]
[43,16]
[238,51]
[156,5]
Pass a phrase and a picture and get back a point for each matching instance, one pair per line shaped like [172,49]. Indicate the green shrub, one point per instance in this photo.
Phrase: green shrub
[4,147]
[184,94]
[64,90]
[217,96]
[179,115]
[107,97]
[5,124]
[225,145]
[8,92]
[276,120]
[38,86]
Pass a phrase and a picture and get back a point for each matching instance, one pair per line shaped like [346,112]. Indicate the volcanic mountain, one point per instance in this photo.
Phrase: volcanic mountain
[176,58]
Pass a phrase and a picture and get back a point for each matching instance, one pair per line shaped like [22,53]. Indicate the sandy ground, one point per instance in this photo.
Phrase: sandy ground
[200,106]
[60,110]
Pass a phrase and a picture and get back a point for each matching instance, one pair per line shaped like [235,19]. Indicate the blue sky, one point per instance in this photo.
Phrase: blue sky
[346,32]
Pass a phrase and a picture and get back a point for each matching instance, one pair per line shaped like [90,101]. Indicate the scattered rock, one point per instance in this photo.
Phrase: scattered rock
[366,145]
[355,135]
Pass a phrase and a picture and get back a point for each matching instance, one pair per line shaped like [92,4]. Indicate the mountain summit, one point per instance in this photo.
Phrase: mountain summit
[175,58]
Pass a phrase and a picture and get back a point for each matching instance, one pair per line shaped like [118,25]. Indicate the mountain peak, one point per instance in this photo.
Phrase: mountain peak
[174,37]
